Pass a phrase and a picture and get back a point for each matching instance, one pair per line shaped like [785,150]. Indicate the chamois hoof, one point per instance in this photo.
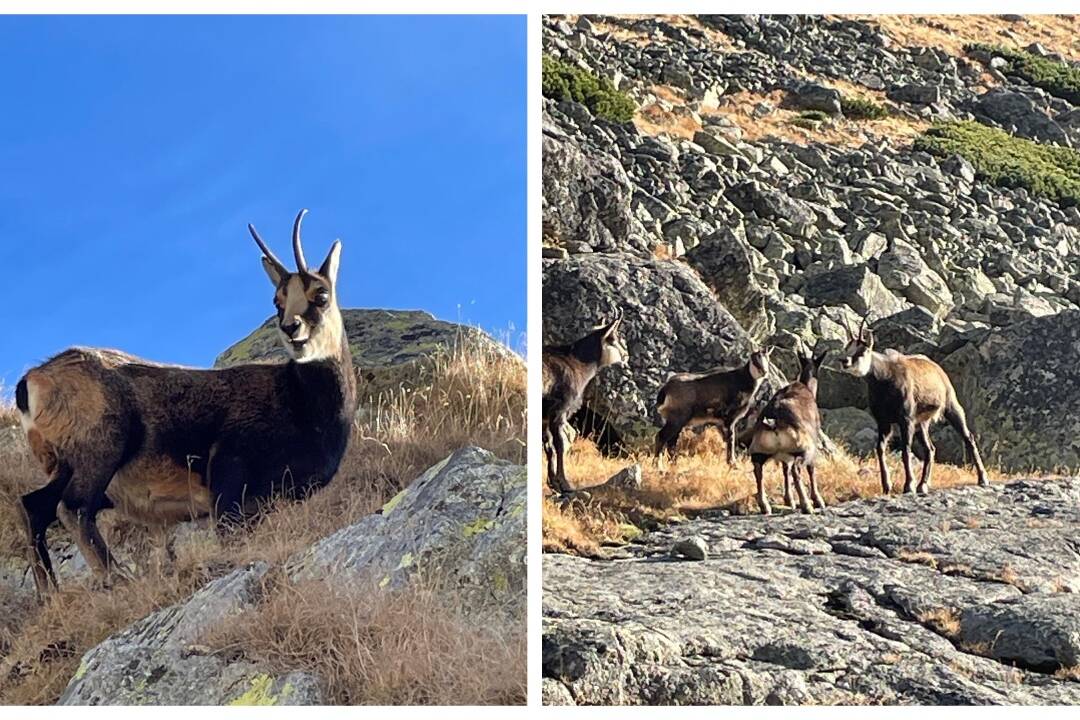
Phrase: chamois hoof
[765,508]
[922,490]
[984,482]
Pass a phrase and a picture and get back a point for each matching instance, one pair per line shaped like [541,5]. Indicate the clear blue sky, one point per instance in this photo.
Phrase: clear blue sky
[135,150]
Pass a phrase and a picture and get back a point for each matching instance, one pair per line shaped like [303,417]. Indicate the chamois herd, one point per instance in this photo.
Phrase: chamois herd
[906,392]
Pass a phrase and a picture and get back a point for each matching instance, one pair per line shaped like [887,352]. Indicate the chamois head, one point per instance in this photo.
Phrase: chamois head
[759,363]
[809,366]
[612,347]
[308,317]
[859,350]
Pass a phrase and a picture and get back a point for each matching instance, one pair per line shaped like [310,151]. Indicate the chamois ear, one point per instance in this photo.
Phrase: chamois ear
[613,326]
[820,359]
[329,267]
[868,339]
[274,272]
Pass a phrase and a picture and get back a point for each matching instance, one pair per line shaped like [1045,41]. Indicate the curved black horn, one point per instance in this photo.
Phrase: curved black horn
[266,251]
[298,252]
[863,325]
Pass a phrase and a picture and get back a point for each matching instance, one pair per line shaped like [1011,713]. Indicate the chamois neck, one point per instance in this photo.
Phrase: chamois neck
[587,350]
[879,365]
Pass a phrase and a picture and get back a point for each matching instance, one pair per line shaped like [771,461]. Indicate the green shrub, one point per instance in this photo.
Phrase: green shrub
[998,157]
[857,108]
[1057,78]
[814,115]
[563,81]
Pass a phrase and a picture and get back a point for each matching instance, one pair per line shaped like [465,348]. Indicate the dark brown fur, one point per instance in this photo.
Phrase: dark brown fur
[787,430]
[567,372]
[719,397]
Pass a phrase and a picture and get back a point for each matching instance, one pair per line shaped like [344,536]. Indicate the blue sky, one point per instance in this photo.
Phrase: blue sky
[135,150]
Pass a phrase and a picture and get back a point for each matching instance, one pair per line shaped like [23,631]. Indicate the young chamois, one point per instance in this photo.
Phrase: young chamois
[911,392]
[567,371]
[719,397]
[165,443]
[787,430]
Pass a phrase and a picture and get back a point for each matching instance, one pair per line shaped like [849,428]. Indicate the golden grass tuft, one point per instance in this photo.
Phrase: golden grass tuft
[699,480]
[472,395]
[944,621]
[410,647]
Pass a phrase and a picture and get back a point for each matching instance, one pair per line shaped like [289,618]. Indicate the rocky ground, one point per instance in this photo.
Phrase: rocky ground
[966,596]
[712,235]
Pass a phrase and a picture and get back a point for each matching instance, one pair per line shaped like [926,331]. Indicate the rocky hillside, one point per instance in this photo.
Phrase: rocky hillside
[779,173]
[936,600]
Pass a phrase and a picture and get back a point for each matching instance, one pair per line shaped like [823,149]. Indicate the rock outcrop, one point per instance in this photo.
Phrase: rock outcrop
[464,518]
[934,600]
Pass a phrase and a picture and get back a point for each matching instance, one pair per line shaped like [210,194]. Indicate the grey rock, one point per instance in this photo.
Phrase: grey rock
[813,96]
[1019,386]
[836,608]
[466,513]
[855,286]
[724,261]
[692,548]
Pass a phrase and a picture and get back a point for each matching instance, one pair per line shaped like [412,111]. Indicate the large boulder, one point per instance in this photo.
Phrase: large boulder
[672,323]
[587,199]
[464,516]
[1019,385]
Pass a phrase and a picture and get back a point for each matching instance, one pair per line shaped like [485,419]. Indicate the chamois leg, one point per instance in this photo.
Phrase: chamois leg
[729,437]
[229,479]
[956,417]
[78,511]
[38,512]
[668,437]
[549,453]
[558,443]
[906,435]
[928,463]
[759,459]
[815,495]
[788,501]
[883,434]
[796,479]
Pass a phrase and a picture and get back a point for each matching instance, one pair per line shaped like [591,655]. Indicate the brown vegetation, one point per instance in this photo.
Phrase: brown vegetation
[474,395]
[1058,33]
[700,480]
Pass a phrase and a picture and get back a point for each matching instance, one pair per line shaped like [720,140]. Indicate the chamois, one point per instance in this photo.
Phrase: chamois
[911,392]
[567,372]
[787,430]
[719,397]
[162,443]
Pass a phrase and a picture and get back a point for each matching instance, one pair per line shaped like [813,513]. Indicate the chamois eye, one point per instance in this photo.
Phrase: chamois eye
[321,298]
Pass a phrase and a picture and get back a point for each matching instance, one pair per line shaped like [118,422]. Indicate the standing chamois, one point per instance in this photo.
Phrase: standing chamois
[787,430]
[568,370]
[164,443]
[719,397]
[909,391]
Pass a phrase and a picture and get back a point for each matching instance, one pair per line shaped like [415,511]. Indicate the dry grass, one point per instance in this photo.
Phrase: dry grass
[944,621]
[474,395]
[699,480]
[412,647]
[1057,33]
